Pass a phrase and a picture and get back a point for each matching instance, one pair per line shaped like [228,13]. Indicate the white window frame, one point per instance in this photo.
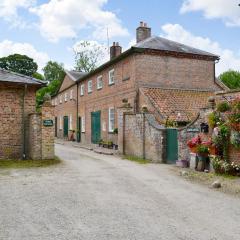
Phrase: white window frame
[71,94]
[82,90]
[111,119]
[60,123]
[66,97]
[83,124]
[111,77]
[60,99]
[100,82]
[90,86]
[55,101]
[70,122]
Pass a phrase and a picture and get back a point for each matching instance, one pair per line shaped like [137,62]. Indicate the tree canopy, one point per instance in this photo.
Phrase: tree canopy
[231,79]
[88,55]
[19,63]
[54,71]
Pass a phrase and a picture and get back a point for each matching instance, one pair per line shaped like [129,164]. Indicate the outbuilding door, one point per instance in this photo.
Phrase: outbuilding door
[56,126]
[96,126]
[172,146]
[65,126]
[79,129]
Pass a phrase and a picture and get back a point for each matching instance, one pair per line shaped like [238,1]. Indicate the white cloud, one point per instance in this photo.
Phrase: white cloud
[8,47]
[64,18]
[9,10]
[227,10]
[229,60]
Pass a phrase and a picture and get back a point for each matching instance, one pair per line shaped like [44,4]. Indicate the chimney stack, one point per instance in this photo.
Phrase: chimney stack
[115,50]
[143,32]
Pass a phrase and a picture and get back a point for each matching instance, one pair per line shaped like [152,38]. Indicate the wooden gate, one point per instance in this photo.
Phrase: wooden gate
[172,146]
[96,126]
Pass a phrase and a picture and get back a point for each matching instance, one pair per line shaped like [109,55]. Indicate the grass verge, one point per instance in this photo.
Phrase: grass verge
[6,164]
[136,159]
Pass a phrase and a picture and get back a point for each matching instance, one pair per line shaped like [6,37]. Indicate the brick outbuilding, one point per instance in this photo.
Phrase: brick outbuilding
[17,101]
[89,103]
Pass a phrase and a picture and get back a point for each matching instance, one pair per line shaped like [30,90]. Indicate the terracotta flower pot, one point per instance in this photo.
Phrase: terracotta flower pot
[193,149]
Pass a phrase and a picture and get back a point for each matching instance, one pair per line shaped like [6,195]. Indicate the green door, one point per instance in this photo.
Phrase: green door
[79,129]
[172,146]
[96,126]
[65,126]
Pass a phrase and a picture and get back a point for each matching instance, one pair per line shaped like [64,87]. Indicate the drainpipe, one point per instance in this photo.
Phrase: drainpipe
[78,133]
[24,123]
[143,140]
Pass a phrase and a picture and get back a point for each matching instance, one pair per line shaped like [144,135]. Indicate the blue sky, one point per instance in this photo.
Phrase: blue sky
[48,29]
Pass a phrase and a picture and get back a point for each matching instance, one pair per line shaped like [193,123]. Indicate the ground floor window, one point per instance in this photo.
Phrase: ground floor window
[83,124]
[70,122]
[60,122]
[111,119]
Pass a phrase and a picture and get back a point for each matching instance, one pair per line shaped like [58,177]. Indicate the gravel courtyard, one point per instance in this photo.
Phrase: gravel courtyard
[91,196]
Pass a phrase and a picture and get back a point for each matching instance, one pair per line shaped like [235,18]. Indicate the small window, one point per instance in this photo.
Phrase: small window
[111,119]
[52,102]
[55,101]
[111,77]
[71,94]
[66,97]
[89,86]
[70,122]
[83,124]
[99,82]
[82,90]
[60,99]
[60,123]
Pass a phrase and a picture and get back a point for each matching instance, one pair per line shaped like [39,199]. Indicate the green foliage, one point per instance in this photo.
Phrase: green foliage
[235,139]
[87,56]
[54,74]
[214,119]
[38,76]
[54,71]
[231,79]
[202,149]
[223,107]
[20,64]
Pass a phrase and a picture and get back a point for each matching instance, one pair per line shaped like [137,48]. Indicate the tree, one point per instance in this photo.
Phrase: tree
[231,79]
[54,71]
[88,55]
[38,76]
[19,63]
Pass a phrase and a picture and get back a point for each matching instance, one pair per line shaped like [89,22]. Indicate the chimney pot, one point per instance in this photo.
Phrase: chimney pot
[143,32]
[115,50]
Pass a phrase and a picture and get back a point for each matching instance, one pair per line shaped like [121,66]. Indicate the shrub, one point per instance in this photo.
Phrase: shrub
[214,119]
[223,107]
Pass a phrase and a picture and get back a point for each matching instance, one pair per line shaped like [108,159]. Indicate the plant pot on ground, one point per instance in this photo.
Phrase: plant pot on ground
[202,154]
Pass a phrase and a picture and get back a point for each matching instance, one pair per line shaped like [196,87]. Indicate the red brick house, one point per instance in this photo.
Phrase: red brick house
[173,80]
[17,101]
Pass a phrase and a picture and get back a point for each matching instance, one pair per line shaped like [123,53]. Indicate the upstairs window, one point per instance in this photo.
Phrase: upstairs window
[71,94]
[111,77]
[66,97]
[89,86]
[99,82]
[82,90]
[60,99]
[55,101]
[111,119]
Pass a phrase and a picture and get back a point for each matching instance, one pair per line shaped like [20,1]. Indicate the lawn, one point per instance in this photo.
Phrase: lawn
[5,164]
[136,159]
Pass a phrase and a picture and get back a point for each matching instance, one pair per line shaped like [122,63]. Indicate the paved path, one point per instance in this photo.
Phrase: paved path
[96,197]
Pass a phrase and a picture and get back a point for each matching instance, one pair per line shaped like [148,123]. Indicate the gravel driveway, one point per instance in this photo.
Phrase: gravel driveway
[96,197]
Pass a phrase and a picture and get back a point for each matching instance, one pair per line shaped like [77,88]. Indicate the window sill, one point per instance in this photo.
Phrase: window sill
[99,88]
[110,84]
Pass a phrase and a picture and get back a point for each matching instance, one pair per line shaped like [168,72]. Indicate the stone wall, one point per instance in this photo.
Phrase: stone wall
[140,135]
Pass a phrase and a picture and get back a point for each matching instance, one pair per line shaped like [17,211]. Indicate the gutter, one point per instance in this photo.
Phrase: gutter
[77,120]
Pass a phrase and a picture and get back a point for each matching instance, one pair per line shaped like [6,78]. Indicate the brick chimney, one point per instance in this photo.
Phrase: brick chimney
[115,50]
[143,32]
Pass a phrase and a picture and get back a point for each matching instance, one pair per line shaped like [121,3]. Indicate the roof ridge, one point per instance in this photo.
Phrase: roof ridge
[178,89]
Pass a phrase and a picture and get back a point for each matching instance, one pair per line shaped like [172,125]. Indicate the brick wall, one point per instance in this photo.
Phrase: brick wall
[167,71]
[11,118]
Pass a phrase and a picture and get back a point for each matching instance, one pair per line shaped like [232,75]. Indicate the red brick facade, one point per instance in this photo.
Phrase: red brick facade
[11,117]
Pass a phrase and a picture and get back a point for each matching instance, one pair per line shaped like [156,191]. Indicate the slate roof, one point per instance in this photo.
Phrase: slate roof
[17,78]
[163,44]
[177,104]
[75,75]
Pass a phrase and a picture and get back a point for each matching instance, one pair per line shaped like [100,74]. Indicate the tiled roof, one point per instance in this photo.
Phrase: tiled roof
[12,77]
[75,75]
[177,104]
[159,43]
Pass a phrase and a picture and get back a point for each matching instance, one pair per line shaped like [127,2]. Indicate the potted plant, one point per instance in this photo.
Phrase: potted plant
[193,143]
[202,155]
